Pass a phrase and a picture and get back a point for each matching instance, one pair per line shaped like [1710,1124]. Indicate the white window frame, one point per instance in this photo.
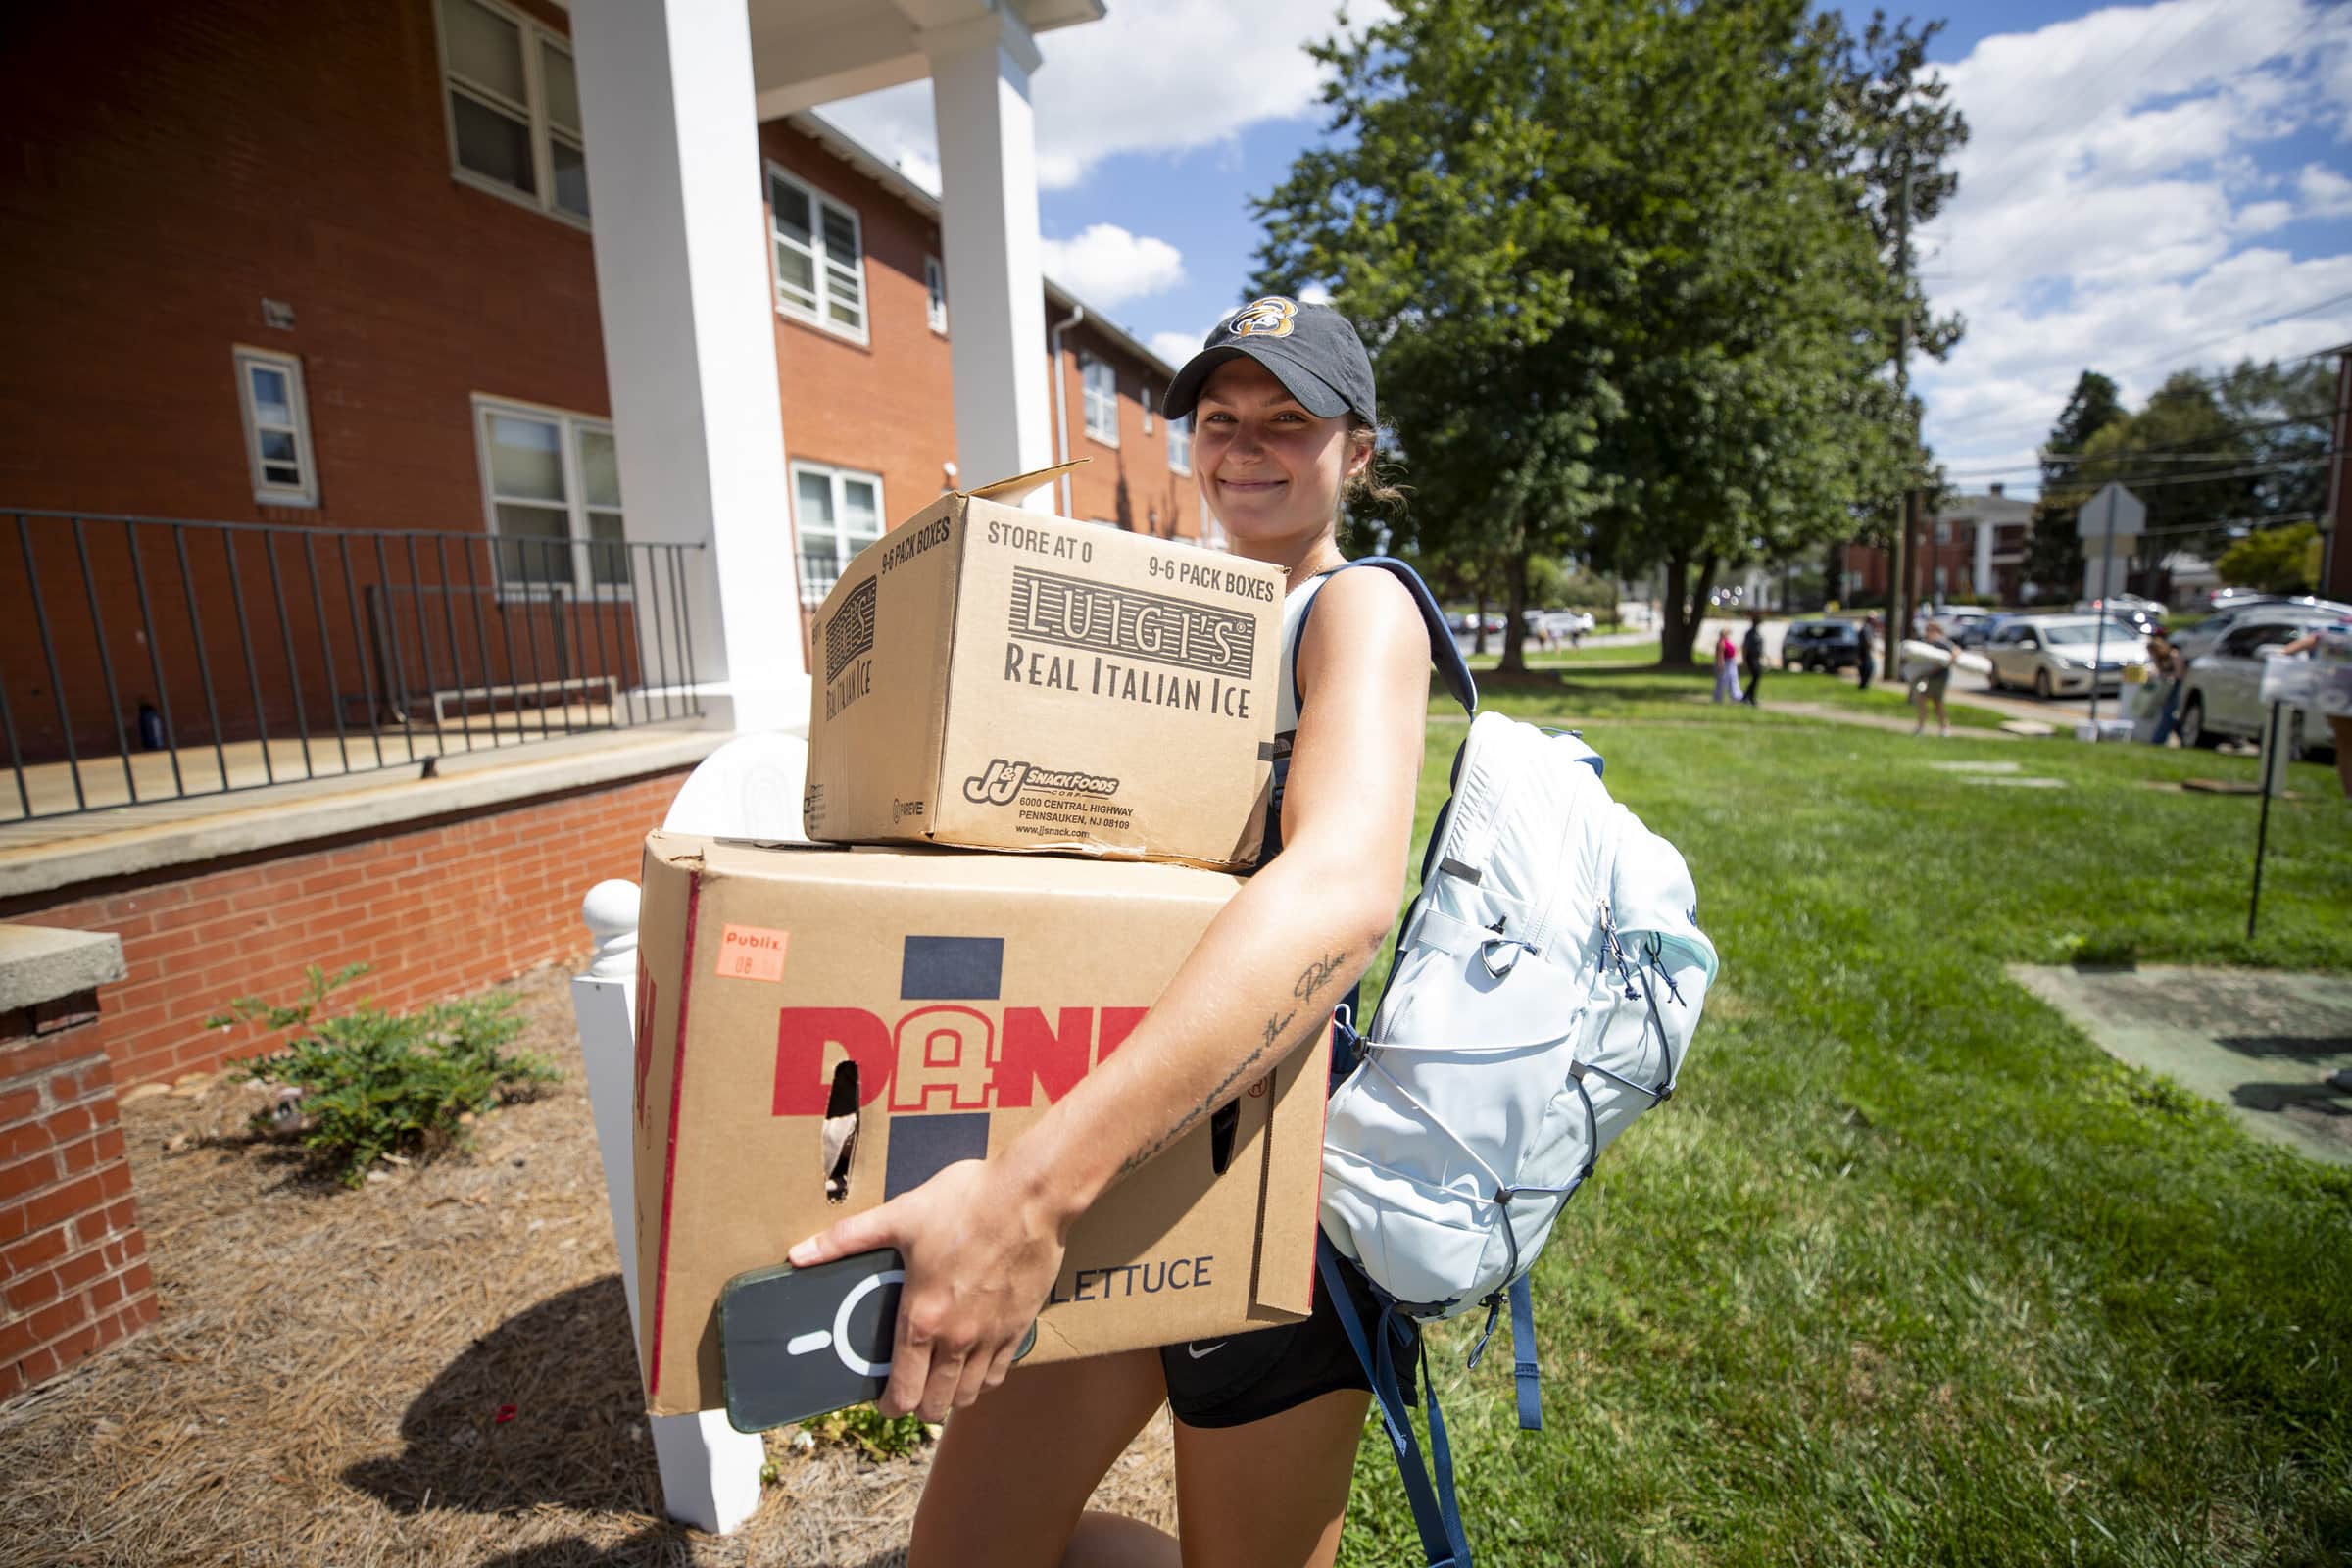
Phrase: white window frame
[935,294]
[544,132]
[1090,395]
[576,506]
[1150,397]
[1180,445]
[820,263]
[298,400]
[843,555]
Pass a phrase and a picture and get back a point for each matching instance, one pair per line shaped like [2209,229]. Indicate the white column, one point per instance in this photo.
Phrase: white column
[1984,574]
[689,332]
[980,73]
[709,1471]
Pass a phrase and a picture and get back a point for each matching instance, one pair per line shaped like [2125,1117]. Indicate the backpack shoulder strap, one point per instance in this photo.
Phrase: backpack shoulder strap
[1442,650]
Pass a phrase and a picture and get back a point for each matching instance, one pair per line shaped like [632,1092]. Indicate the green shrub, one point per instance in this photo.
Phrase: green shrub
[377,1083]
[869,1431]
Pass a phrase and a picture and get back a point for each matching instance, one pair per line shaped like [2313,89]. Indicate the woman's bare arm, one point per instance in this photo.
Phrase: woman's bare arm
[983,1241]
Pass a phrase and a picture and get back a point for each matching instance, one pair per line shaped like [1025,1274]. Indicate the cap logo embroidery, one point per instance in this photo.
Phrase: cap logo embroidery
[1266,317]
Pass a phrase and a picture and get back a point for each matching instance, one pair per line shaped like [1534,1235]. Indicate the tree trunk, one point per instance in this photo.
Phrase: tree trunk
[1478,623]
[1682,608]
[1514,622]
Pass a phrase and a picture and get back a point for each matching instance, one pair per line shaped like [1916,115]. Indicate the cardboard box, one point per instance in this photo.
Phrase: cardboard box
[959,993]
[1000,680]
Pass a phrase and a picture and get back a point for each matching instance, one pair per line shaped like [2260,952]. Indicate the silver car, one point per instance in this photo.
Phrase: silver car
[2221,697]
[2062,656]
[2207,634]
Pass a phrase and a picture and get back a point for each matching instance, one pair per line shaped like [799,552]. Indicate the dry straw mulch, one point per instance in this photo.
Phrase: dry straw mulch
[325,1382]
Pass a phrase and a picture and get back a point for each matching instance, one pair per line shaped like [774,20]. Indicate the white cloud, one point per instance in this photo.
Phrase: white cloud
[2113,211]
[1162,76]
[2325,192]
[1107,266]
[1176,347]
[1315,294]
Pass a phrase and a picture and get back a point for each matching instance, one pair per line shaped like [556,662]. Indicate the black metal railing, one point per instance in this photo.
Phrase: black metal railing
[146,658]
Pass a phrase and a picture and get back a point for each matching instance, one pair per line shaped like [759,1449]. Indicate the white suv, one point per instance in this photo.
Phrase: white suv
[2222,695]
[2063,656]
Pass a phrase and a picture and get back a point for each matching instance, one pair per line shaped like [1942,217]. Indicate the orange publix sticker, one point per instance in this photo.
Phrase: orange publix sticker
[751,953]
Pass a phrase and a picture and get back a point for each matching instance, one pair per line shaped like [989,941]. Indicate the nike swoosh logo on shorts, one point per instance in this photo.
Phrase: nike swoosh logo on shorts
[1197,1354]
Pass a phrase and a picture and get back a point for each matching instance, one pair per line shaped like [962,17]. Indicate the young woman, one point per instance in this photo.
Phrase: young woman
[1267,1423]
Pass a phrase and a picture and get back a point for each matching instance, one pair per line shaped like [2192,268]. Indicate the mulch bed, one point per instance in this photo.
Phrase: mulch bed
[326,1382]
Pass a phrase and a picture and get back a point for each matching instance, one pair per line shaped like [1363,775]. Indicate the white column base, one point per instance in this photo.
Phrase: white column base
[709,1471]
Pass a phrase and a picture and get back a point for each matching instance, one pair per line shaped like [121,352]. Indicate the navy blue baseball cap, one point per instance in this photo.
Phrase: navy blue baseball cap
[1311,350]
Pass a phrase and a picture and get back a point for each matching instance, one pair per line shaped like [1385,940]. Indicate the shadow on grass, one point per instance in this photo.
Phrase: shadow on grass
[565,1374]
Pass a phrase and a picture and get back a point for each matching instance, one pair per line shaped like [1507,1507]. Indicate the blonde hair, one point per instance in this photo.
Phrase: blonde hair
[1370,488]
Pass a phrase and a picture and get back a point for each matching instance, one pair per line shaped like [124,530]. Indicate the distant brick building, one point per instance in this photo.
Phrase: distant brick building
[1974,547]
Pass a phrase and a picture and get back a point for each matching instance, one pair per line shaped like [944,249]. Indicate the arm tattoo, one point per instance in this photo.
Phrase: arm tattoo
[1271,1037]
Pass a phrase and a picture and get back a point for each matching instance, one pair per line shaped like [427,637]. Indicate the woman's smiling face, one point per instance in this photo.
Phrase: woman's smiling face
[1271,470]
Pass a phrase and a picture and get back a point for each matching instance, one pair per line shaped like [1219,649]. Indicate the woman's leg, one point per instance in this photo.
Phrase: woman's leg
[1271,1493]
[2340,726]
[1015,1470]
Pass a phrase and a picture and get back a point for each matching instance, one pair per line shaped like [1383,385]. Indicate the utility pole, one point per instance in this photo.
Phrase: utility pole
[1898,576]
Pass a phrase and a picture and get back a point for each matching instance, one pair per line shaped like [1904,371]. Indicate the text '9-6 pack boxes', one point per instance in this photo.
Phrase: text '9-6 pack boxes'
[995,678]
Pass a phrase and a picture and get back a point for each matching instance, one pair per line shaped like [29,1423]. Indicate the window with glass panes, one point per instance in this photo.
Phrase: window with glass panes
[1180,444]
[821,256]
[935,287]
[839,512]
[513,106]
[553,481]
[1101,380]
[277,428]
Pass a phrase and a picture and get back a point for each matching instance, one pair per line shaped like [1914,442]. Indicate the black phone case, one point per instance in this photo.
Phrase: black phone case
[799,1343]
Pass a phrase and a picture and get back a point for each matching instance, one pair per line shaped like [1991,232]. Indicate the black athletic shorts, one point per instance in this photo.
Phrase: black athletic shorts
[1247,1377]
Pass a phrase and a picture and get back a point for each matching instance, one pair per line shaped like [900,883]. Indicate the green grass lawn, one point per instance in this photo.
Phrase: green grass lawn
[1910,1271]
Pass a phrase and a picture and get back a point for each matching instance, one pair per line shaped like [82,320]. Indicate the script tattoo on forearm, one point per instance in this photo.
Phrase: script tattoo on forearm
[1312,979]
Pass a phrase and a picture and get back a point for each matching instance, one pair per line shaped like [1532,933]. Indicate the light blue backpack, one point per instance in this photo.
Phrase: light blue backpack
[1547,981]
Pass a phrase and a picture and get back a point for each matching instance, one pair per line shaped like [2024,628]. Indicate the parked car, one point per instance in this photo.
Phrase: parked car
[2054,655]
[1823,645]
[2207,634]
[2222,695]
[1561,625]
[2145,614]
[1978,632]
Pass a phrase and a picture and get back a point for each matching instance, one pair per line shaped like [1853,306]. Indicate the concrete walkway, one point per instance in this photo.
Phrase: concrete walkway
[2258,1043]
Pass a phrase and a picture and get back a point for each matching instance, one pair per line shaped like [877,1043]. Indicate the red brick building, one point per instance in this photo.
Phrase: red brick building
[309,462]
[333,270]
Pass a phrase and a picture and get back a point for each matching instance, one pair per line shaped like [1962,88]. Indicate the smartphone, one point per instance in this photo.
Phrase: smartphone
[796,1343]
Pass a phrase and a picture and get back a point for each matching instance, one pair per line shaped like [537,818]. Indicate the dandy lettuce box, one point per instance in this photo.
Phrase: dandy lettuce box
[945,999]
[1000,680]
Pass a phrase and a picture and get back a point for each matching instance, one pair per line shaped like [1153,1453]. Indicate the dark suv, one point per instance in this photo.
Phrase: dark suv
[1822,645]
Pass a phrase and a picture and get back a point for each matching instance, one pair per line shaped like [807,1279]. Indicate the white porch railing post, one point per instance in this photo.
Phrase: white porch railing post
[709,1471]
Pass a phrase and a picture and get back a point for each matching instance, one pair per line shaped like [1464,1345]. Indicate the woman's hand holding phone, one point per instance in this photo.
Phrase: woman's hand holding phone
[982,1249]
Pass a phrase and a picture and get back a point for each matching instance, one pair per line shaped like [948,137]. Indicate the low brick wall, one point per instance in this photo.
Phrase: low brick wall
[435,909]
[74,1273]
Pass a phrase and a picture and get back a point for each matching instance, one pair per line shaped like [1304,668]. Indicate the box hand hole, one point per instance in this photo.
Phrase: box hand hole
[1223,1123]
[839,1139]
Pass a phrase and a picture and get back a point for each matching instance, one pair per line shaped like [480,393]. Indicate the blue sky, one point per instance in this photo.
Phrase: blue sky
[2148,187]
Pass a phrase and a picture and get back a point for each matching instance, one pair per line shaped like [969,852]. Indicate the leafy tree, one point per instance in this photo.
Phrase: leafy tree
[2055,550]
[2277,560]
[1617,265]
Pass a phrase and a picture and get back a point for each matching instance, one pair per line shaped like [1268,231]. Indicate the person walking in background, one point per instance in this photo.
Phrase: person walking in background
[1933,681]
[1751,656]
[1727,667]
[1866,664]
[2168,665]
[2331,646]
